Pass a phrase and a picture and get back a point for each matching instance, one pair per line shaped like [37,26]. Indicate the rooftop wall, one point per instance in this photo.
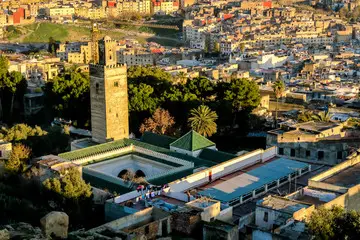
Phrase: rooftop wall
[127,221]
[316,181]
[222,169]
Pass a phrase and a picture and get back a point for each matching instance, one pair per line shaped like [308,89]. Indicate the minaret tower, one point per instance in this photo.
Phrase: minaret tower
[108,95]
[94,43]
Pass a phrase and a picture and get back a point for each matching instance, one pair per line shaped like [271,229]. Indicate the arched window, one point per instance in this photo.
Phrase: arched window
[139,173]
[123,173]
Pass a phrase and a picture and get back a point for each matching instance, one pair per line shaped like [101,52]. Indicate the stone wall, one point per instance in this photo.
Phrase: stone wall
[109,102]
[186,222]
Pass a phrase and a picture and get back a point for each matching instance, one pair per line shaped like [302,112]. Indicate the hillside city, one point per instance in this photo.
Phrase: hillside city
[190,119]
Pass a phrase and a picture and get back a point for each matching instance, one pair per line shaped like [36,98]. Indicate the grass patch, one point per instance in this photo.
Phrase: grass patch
[41,32]
[13,33]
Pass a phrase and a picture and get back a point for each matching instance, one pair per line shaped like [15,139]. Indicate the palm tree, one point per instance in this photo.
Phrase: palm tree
[324,116]
[278,88]
[202,120]
[181,77]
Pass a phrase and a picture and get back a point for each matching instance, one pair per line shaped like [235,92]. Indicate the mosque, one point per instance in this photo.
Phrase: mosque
[189,166]
[110,159]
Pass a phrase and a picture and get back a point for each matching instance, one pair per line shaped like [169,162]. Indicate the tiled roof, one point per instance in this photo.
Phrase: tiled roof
[192,141]
[157,140]
[89,151]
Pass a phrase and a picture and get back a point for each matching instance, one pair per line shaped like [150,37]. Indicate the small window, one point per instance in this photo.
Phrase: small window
[307,153]
[147,230]
[320,155]
[266,216]
[292,152]
[97,86]
[339,155]
[281,151]
[116,84]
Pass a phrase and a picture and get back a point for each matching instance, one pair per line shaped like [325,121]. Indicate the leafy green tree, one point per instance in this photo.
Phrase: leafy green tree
[68,96]
[4,65]
[12,83]
[141,98]
[201,87]
[20,132]
[322,117]
[334,223]
[53,141]
[17,162]
[70,185]
[203,120]
[242,93]
[278,88]
[153,76]
[52,46]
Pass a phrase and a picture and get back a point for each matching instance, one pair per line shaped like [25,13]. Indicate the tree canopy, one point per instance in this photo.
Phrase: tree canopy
[68,96]
[17,162]
[335,223]
[52,141]
[69,185]
[242,93]
[12,89]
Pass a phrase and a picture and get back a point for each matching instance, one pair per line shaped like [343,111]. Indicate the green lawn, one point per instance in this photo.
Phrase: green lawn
[44,31]
[41,32]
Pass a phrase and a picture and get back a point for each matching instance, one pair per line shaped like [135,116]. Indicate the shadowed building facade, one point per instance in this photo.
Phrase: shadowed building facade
[108,94]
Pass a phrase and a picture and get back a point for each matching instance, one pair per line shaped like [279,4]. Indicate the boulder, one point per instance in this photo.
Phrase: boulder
[4,234]
[55,224]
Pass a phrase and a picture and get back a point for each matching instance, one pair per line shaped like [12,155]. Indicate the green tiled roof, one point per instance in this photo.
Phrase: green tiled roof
[192,141]
[89,151]
[157,140]
[198,162]
[216,156]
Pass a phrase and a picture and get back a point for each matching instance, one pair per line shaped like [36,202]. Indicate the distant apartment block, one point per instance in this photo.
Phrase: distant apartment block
[315,141]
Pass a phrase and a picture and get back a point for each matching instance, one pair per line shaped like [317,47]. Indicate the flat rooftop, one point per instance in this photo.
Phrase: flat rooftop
[84,143]
[315,126]
[248,207]
[245,181]
[159,201]
[348,177]
[316,197]
[282,204]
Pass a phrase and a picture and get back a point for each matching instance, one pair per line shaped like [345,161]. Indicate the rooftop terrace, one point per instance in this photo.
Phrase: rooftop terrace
[255,177]
[282,204]
[315,126]
[348,177]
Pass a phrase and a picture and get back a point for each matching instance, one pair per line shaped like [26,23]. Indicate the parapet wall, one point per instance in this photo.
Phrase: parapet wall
[222,169]
[316,182]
